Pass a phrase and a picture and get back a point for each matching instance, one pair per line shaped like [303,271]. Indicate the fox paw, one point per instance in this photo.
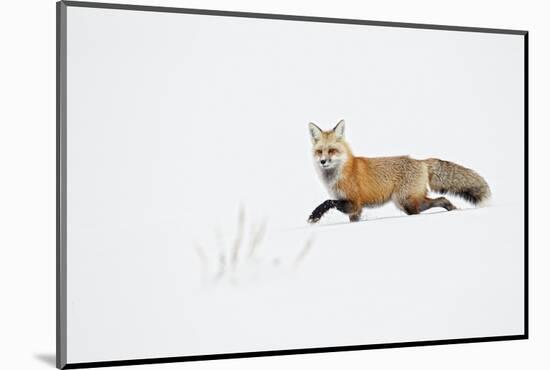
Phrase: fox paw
[313,219]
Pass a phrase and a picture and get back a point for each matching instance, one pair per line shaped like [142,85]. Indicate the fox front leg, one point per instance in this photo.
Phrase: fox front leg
[320,211]
[343,206]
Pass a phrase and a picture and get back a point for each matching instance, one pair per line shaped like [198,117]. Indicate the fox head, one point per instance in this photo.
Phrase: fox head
[330,149]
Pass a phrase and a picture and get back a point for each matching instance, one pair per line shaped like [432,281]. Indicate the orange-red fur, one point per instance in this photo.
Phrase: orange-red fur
[366,182]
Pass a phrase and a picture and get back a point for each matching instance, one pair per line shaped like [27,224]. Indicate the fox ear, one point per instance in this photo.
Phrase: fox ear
[339,129]
[315,132]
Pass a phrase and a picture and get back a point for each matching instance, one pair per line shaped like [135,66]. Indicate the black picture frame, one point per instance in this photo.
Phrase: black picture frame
[61,162]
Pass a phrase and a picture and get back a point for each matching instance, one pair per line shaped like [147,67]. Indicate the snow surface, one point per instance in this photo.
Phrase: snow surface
[404,278]
[351,289]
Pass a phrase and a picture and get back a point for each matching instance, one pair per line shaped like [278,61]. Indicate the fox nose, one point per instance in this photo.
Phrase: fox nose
[323,161]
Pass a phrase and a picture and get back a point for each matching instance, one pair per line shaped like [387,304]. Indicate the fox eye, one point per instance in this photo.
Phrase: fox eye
[332,151]
[318,152]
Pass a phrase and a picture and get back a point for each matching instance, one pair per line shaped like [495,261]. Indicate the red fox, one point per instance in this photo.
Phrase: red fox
[357,182]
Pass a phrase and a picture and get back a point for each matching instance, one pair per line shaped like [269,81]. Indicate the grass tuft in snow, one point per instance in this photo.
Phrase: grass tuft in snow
[246,256]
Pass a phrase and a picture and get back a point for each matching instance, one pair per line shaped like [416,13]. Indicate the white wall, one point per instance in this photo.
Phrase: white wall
[27,200]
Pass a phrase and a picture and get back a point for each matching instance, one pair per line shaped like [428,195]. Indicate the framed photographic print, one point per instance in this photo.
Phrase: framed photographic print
[240,184]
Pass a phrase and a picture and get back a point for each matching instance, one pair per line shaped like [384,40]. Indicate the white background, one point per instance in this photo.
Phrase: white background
[29,237]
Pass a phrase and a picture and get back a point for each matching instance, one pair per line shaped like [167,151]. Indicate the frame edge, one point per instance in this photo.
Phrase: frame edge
[287,352]
[61,185]
[287,17]
[526,183]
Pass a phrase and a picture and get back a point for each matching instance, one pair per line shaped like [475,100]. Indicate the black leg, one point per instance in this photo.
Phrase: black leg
[411,209]
[354,217]
[343,206]
[414,206]
[437,202]
[321,210]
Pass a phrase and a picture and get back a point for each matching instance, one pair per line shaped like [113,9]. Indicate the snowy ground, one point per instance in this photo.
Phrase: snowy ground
[401,278]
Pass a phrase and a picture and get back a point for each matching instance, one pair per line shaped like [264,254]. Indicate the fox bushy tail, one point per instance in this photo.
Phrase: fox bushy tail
[448,177]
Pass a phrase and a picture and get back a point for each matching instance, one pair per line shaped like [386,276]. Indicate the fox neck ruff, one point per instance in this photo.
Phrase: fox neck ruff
[331,177]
